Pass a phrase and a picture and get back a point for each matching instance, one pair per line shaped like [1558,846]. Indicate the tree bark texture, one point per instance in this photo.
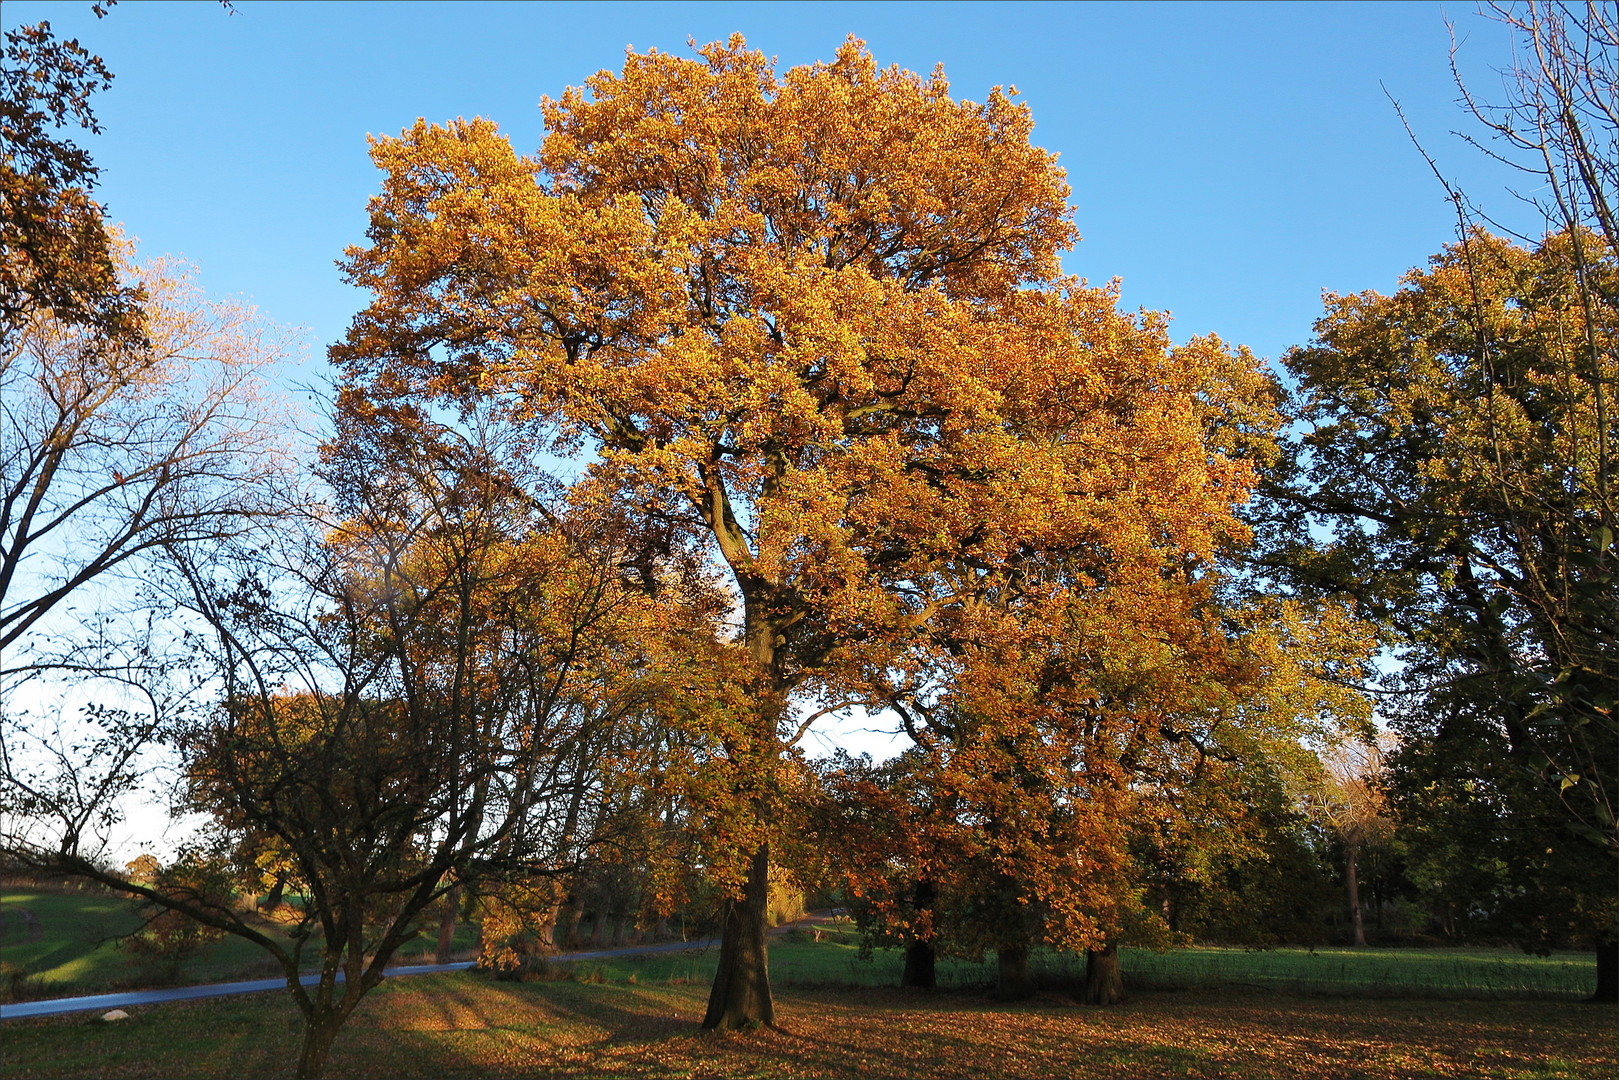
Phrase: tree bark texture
[1104,985]
[319,1034]
[741,993]
[568,925]
[1012,979]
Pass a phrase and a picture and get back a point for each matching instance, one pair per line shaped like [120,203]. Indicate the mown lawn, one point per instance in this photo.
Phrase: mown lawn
[464,1025]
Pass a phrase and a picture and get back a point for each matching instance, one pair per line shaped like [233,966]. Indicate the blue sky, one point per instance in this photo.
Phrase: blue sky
[1229,161]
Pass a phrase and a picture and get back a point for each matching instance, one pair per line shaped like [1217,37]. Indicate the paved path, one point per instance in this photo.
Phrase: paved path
[59,1006]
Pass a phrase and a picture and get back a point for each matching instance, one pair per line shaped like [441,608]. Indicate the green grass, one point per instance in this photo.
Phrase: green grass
[797,960]
[77,943]
[1451,973]
[78,953]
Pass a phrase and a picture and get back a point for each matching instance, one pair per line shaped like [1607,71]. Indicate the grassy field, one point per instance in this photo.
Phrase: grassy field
[796,959]
[1445,973]
[464,1025]
[76,950]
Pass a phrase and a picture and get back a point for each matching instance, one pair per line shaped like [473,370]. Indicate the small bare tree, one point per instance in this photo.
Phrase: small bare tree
[1349,800]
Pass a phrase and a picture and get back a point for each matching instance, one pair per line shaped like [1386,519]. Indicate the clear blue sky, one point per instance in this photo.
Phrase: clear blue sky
[1229,161]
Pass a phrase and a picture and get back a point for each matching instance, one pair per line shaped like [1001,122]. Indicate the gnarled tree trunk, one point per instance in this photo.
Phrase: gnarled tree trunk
[1104,985]
[273,900]
[741,993]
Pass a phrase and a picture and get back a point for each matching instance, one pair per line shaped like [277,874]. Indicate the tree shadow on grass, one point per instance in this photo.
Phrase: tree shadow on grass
[466,1026]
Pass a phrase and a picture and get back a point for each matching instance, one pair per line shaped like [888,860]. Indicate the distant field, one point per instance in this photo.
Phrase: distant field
[1448,973]
[465,1026]
[1442,973]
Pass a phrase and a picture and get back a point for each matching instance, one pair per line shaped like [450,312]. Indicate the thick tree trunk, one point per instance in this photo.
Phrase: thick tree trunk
[1012,979]
[446,926]
[1607,971]
[741,994]
[1104,985]
[921,966]
[921,960]
[1351,870]
[319,1034]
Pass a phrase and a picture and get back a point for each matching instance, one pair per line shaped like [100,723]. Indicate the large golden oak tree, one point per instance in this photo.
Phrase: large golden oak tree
[815,321]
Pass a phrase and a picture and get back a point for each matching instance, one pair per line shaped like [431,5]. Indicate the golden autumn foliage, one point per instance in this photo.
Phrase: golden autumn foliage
[1077,747]
[813,323]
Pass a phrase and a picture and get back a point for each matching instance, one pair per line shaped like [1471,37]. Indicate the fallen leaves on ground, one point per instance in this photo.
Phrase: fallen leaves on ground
[461,1026]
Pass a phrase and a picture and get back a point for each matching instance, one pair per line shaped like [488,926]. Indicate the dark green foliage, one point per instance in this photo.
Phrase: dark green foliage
[1454,475]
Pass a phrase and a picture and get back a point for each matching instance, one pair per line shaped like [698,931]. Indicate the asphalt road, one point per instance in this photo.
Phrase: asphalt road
[94,1002]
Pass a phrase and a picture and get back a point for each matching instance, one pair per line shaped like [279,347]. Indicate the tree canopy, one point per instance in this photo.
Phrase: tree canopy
[814,322]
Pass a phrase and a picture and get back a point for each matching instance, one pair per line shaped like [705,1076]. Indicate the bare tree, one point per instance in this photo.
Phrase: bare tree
[113,447]
[1559,122]
[1349,800]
